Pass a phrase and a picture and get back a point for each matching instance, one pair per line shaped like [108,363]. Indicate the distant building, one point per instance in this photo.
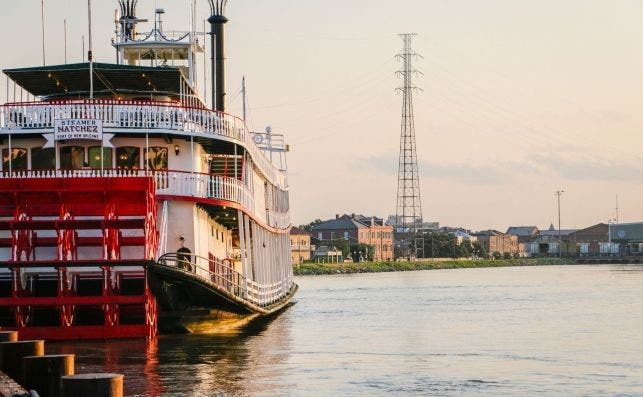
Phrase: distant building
[550,242]
[358,229]
[552,231]
[299,245]
[461,234]
[629,237]
[525,233]
[543,245]
[587,242]
[495,241]
[327,254]
[590,241]
[424,226]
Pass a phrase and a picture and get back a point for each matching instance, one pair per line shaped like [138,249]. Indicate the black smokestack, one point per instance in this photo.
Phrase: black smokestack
[217,23]
[128,17]
[217,31]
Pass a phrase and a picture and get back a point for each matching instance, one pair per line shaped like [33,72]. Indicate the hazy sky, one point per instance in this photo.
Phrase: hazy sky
[520,98]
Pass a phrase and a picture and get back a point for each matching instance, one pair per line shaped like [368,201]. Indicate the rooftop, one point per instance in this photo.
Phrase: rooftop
[522,231]
[488,233]
[71,81]
[348,222]
[344,222]
[552,231]
[295,231]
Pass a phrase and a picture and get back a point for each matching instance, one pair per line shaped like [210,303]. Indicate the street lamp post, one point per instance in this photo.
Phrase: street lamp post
[560,241]
[610,222]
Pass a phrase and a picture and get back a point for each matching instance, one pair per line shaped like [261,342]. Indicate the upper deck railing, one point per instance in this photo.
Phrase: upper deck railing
[175,183]
[133,116]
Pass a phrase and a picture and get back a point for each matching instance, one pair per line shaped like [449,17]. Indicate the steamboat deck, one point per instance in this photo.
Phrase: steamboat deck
[126,205]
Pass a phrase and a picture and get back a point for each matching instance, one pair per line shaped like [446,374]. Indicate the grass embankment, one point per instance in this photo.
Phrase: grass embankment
[310,269]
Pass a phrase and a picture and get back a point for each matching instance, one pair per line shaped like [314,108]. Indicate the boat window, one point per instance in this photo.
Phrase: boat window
[156,158]
[95,157]
[43,159]
[72,157]
[128,157]
[18,159]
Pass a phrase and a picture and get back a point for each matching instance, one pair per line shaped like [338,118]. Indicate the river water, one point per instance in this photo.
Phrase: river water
[566,331]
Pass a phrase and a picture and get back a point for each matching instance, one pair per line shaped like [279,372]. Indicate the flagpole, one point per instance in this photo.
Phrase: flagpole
[42,18]
[89,53]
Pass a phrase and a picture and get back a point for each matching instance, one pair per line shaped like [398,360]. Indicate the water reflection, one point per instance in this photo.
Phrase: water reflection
[198,364]
[627,268]
[132,358]
[553,330]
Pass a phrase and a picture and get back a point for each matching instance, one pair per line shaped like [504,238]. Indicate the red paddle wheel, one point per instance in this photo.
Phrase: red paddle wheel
[74,255]
[111,236]
[67,248]
[23,238]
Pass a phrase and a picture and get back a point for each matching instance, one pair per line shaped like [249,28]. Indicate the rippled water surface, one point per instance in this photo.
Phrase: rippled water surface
[574,330]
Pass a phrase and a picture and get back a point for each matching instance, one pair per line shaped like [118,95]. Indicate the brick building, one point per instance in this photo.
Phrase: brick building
[358,229]
[495,241]
[586,241]
[525,234]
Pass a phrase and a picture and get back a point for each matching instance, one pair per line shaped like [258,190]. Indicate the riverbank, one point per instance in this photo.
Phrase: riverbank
[311,269]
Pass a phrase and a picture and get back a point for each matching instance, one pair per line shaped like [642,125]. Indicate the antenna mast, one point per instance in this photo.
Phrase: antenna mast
[243,93]
[409,204]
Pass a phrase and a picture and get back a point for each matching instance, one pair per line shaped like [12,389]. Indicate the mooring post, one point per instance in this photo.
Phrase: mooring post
[8,336]
[13,353]
[96,385]
[44,373]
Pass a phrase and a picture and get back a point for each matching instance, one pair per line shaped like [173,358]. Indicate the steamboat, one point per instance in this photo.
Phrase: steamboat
[127,206]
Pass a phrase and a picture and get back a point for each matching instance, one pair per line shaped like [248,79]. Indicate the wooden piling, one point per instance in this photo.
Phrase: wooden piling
[8,336]
[44,373]
[97,385]
[12,354]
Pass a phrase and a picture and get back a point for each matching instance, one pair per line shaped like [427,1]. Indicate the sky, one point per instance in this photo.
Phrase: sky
[520,99]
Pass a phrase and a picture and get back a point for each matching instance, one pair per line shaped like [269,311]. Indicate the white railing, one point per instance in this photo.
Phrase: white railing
[280,220]
[223,275]
[162,245]
[173,183]
[143,116]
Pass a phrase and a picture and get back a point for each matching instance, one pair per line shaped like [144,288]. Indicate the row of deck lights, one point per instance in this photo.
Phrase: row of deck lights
[149,82]
[58,83]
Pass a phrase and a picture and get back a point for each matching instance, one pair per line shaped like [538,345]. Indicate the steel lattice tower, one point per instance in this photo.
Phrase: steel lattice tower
[409,204]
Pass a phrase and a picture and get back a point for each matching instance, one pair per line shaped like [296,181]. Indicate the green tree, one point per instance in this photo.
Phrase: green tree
[465,249]
[479,250]
[367,252]
[309,227]
[341,245]
[442,245]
